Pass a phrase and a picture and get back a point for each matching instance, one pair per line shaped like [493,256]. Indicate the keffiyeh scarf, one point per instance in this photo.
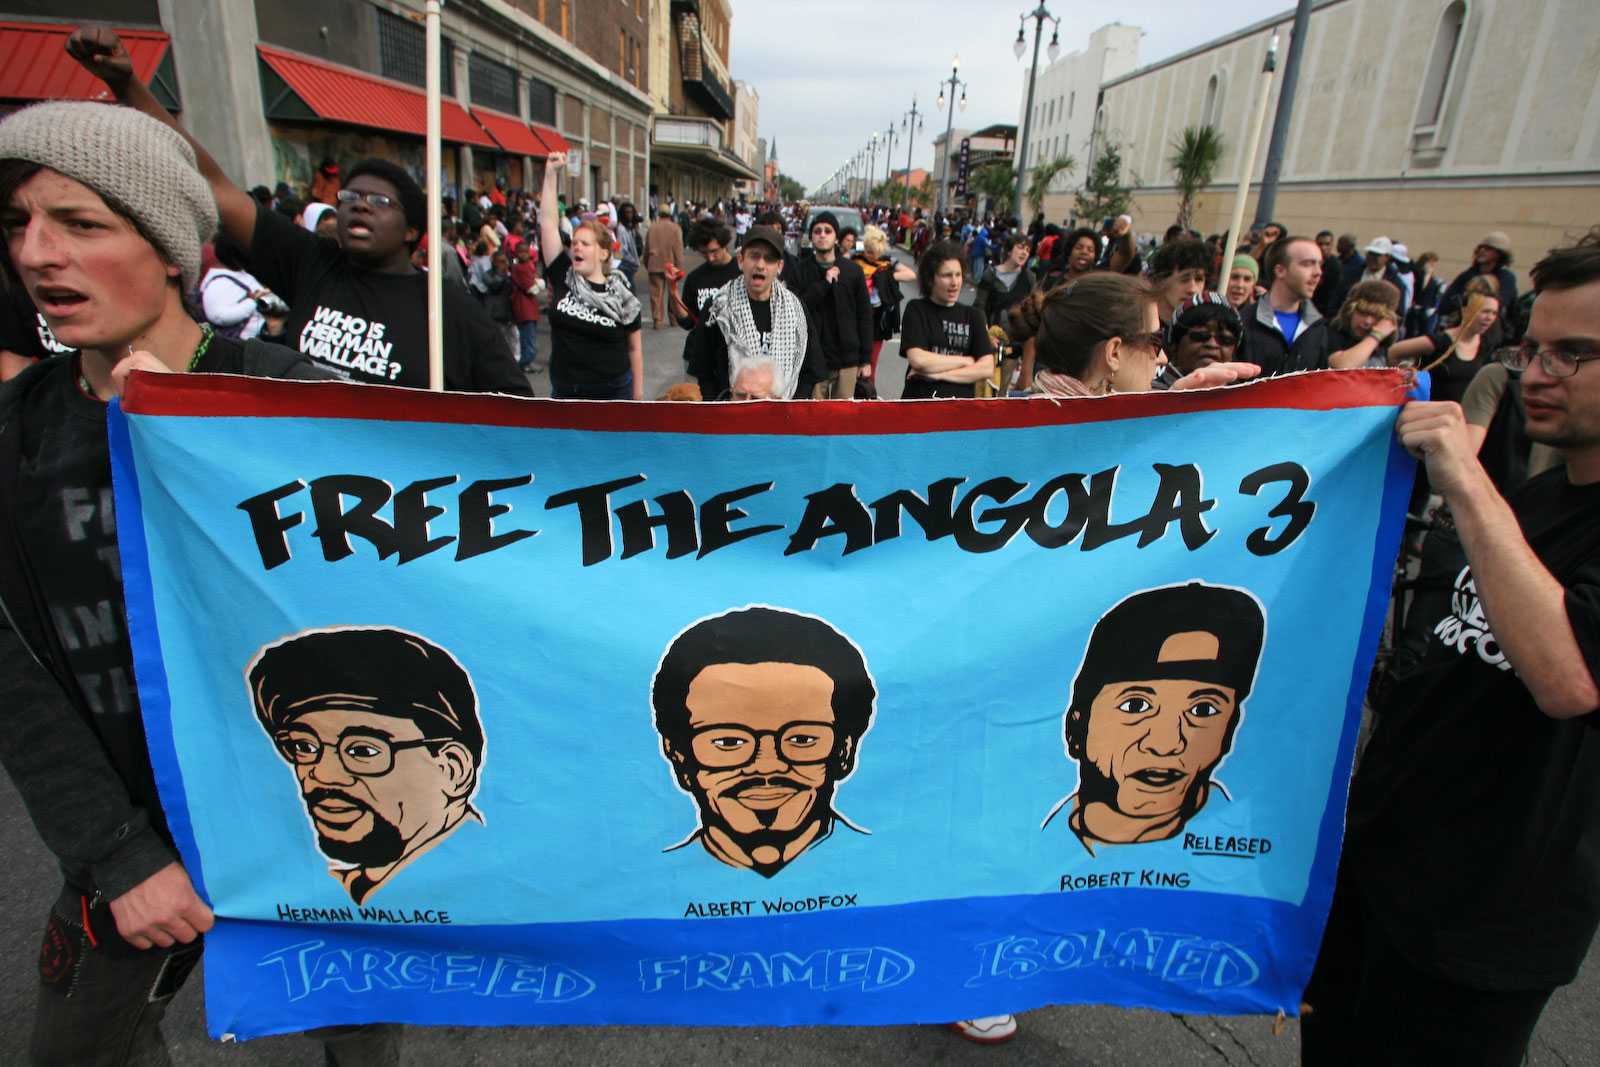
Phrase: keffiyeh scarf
[730,311]
[616,300]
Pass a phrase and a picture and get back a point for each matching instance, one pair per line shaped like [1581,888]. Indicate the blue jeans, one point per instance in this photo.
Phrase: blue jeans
[616,389]
[979,263]
[528,336]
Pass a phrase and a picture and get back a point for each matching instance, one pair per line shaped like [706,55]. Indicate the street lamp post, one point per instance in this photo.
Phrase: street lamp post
[888,153]
[950,118]
[1038,15]
[872,163]
[911,126]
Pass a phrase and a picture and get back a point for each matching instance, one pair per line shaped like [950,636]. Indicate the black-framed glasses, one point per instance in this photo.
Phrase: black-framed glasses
[350,196]
[726,746]
[1223,339]
[363,755]
[1553,362]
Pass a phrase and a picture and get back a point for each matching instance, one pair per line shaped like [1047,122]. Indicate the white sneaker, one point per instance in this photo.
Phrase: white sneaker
[989,1030]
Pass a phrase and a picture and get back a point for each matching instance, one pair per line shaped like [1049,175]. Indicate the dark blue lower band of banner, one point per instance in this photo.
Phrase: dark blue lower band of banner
[914,963]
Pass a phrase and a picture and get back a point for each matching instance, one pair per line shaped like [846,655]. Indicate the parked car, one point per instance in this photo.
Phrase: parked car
[849,219]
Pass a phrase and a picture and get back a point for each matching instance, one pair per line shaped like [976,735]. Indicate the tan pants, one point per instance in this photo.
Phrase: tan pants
[840,385]
[659,305]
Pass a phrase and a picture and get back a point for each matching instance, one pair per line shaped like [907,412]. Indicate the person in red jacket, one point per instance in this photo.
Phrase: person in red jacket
[526,287]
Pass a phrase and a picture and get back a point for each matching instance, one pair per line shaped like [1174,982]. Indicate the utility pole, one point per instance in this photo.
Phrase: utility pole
[949,122]
[1038,15]
[1267,202]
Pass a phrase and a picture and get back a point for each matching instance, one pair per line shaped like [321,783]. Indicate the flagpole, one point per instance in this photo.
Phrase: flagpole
[1248,165]
[435,177]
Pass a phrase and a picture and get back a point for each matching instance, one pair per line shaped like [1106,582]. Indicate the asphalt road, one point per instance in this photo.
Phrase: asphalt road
[1568,1035]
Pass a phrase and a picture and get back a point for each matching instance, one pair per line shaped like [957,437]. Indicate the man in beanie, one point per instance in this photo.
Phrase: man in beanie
[1241,287]
[401,715]
[835,292]
[359,306]
[104,216]
[1154,709]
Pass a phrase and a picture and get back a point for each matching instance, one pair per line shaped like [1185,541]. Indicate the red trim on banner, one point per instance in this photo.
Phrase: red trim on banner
[224,396]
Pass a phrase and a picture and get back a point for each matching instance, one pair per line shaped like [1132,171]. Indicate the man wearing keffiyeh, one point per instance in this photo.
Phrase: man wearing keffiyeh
[756,341]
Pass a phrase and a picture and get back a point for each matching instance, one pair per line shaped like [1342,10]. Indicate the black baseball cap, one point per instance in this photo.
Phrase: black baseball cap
[766,235]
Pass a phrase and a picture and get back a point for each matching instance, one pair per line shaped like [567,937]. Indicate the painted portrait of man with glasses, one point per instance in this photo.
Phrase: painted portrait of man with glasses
[381,729]
[761,713]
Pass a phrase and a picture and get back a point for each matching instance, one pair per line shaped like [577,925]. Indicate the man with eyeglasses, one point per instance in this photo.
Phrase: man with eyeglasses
[712,240]
[1470,884]
[357,306]
[381,728]
[761,712]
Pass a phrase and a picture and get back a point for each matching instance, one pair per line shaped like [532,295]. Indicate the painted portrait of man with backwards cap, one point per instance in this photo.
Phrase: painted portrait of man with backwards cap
[381,729]
[1155,707]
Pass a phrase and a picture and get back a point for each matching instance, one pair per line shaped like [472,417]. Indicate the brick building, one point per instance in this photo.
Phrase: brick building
[271,88]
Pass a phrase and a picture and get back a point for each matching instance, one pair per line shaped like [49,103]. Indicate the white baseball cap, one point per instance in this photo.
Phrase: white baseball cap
[1400,254]
[1382,246]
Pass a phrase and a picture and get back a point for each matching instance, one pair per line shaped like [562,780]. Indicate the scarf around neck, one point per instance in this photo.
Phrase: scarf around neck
[616,300]
[1052,383]
[730,311]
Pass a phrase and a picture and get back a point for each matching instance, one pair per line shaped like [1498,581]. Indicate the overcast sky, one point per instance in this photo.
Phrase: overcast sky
[830,72]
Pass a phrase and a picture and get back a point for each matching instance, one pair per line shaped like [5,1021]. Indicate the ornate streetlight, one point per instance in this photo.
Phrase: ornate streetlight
[1038,15]
[944,162]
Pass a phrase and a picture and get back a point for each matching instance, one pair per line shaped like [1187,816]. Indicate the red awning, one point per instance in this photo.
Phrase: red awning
[353,97]
[34,64]
[553,141]
[510,132]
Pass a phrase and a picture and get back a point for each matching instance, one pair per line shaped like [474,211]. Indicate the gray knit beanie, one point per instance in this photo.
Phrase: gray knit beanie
[135,162]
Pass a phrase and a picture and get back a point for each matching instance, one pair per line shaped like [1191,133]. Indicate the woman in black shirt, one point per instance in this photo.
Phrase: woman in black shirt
[945,342]
[596,353]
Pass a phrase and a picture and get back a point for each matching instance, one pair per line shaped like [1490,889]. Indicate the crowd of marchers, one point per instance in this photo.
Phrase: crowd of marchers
[1469,886]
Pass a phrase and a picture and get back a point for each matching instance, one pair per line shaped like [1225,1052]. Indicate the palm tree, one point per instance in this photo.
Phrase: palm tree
[1043,175]
[997,181]
[1195,155]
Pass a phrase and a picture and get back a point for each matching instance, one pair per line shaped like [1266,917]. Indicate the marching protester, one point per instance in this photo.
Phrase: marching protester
[104,213]
[1369,320]
[1241,288]
[595,349]
[1431,954]
[835,292]
[946,343]
[1205,330]
[663,251]
[1379,267]
[714,241]
[1284,332]
[526,288]
[1008,281]
[1424,314]
[1074,256]
[756,340]
[884,276]
[358,307]
[1177,272]
[1455,355]
[1490,259]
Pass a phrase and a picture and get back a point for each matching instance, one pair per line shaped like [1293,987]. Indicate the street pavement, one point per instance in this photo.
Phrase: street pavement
[1568,1035]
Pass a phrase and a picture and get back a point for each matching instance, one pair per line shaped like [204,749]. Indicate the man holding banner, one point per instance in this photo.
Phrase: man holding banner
[1470,885]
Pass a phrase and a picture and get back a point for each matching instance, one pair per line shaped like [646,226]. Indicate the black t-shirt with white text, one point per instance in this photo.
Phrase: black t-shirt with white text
[23,330]
[701,286]
[586,347]
[761,315]
[1474,829]
[368,326]
[957,330]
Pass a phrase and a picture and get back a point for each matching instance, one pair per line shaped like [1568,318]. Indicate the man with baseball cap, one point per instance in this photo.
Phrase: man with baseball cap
[756,340]
[1380,267]
[835,291]
[1155,706]
[358,306]
[105,213]
[1491,257]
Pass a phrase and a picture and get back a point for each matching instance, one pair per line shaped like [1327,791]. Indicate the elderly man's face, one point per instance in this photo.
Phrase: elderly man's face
[763,742]
[754,383]
[369,783]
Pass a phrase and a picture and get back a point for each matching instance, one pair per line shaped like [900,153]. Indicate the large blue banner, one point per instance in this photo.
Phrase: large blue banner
[474,710]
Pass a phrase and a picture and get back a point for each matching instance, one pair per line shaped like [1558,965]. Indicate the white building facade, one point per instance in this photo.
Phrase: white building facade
[1428,121]
[1064,99]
